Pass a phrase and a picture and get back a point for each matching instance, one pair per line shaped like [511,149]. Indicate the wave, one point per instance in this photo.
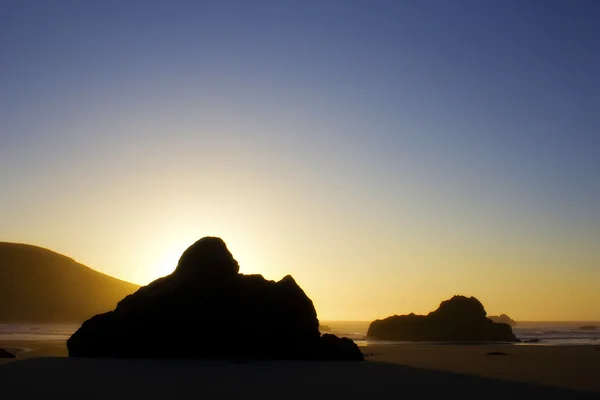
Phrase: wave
[37,332]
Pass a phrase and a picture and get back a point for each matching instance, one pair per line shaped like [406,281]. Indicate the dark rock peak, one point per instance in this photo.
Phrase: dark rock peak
[461,308]
[288,279]
[208,258]
[503,319]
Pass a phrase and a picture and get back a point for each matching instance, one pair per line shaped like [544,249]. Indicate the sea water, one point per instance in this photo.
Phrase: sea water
[37,332]
[549,333]
[559,333]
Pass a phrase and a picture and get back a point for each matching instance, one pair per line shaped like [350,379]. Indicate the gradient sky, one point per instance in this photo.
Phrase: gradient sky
[387,154]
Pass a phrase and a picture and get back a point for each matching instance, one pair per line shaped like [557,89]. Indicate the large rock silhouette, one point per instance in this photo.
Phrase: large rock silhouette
[206,309]
[458,319]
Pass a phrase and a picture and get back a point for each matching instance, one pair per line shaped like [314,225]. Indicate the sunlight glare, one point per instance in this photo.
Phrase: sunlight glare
[167,262]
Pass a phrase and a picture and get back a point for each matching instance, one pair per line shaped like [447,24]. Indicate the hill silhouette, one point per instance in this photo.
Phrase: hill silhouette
[39,285]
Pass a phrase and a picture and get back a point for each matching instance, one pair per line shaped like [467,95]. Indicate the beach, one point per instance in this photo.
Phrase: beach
[423,370]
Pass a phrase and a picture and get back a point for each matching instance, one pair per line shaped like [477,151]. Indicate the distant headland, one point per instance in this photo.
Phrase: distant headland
[38,285]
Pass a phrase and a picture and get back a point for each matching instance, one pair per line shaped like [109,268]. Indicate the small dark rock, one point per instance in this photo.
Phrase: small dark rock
[335,348]
[588,328]
[6,354]
[496,353]
[534,340]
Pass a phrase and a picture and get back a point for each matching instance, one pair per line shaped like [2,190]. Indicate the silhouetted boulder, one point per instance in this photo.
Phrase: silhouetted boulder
[503,319]
[532,340]
[588,328]
[6,354]
[458,319]
[205,309]
[335,348]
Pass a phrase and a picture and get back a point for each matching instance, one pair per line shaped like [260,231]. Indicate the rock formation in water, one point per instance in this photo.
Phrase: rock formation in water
[532,340]
[588,328]
[458,319]
[206,309]
[503,319]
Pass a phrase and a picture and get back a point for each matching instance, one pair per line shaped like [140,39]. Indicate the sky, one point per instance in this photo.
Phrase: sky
[387,154]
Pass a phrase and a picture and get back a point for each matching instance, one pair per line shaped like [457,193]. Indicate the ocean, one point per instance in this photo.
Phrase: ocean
[549,333]
[37,332]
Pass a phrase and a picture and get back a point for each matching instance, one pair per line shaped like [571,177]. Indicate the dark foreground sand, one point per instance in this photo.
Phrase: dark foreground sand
[407,371]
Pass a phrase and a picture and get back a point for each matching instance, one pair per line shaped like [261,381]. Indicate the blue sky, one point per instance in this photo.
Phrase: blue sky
[391,125]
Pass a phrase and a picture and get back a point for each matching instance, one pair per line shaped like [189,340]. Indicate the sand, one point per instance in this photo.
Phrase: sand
[574,367]
[404,371]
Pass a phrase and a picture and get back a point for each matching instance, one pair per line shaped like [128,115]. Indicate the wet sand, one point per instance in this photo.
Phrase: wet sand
[422,371]
[574,367]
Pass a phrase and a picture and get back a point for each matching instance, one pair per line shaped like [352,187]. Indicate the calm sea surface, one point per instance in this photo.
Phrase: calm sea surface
[550,333]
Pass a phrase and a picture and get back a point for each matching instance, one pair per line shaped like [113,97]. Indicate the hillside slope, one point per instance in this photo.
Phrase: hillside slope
[39,285]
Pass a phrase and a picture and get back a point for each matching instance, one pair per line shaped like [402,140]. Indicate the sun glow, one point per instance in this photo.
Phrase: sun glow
[166,259]
[166,256]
